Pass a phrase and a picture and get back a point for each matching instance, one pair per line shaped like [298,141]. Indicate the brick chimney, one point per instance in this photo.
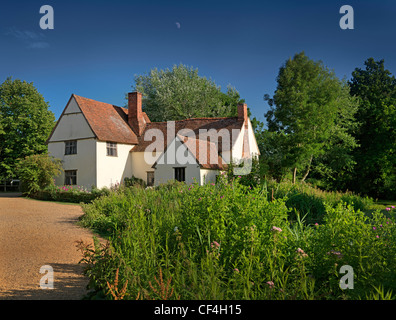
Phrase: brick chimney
[242,112]
[135,113]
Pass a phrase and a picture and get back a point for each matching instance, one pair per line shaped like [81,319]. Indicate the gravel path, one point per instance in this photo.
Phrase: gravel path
[37,233]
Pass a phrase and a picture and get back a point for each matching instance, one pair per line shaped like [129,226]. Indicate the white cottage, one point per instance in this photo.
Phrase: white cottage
[101,144]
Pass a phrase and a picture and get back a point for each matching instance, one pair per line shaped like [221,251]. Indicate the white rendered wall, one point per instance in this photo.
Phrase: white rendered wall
[84,161]
[111,170]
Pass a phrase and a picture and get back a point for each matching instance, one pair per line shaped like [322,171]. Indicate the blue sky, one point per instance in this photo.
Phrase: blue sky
[96,47]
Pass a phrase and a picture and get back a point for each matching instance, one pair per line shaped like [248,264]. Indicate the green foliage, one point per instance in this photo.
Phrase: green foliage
[25,124]
[36,172]
[375,173]
[180,93]
[73,194]
[309,202]
[312,113]
[230,241]
[133,181]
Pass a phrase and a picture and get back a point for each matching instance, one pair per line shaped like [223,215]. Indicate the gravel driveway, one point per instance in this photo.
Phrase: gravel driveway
[37,233]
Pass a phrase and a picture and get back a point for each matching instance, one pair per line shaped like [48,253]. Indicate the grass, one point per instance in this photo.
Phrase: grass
[381,205]
[230,241]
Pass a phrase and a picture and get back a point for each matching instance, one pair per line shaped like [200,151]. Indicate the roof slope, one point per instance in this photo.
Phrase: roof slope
[108,122]
[195,125]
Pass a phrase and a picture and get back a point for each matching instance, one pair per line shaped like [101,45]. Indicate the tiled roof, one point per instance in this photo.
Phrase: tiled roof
[194,143]
[193,124]
[108,122]
[205,152]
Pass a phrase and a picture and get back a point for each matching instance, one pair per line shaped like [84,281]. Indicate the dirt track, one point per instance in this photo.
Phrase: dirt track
[37,233]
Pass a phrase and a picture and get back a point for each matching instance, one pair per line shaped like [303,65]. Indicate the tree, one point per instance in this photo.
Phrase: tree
[311,111]
[375,172]
[25,124]
[181,93]
[37,172]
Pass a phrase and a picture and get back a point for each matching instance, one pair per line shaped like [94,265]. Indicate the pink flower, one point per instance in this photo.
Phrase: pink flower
[388,209]
[236,270]
[374,228]
[301,252]
[338,254]
[215,243]
[270,284]
[377,236]
[393,207]
[276,229]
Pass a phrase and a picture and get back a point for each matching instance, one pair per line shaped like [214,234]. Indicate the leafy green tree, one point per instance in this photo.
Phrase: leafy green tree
[37,172]
[180,93]
[375,172]
[25,124]
[312,113]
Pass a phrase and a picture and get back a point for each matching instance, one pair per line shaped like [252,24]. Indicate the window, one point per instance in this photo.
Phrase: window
[71,147]
[70,177]
[111,149]
[180,174]
[150,178]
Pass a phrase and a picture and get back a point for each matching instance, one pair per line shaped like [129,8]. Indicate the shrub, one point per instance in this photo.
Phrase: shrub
[36,172]
[133,181]
[69,193]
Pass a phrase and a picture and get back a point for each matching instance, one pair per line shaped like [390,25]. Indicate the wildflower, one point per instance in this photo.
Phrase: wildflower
[388,209]
[270,284]
[276,229]
[221,197]
[338,254]
[239,177]
[216,244]
[199,199]
[236,270]
[393,207]
[176,229]
[301,252]
[374,228]
[316,224]
[377,236]
[212,184]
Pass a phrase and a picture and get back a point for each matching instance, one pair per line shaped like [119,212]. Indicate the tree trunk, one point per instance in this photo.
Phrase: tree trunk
[294,175]
[309,168]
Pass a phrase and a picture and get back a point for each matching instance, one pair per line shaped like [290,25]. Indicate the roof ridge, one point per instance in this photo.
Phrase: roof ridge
[202,118]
